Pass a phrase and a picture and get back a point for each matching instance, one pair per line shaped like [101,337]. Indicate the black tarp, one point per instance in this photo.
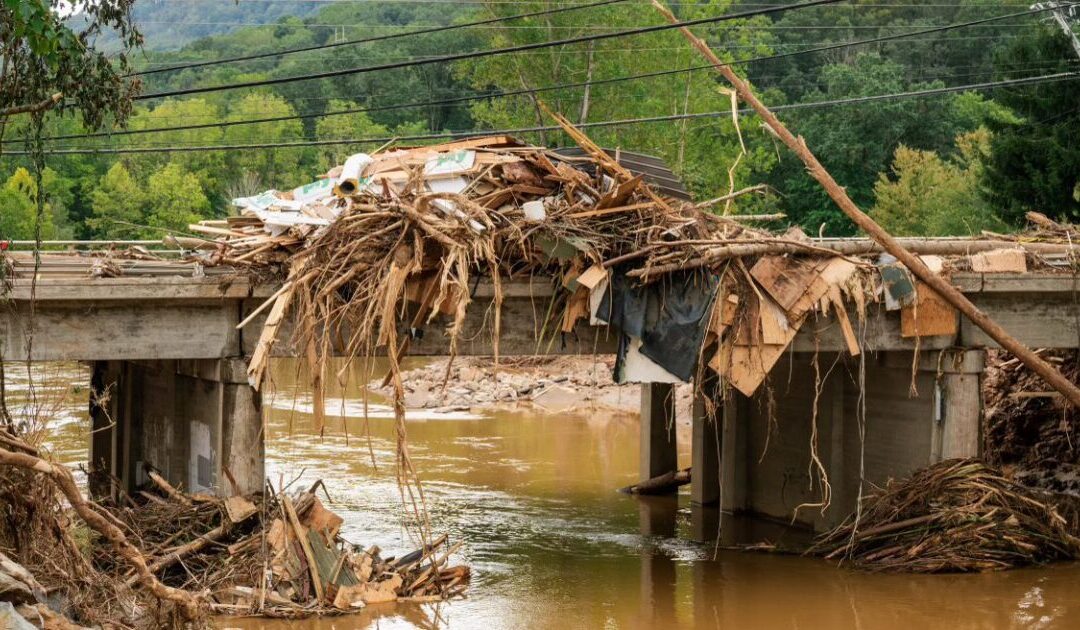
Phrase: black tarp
[669,316]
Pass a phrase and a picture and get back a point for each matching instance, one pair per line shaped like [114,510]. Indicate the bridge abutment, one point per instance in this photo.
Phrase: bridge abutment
[198,422]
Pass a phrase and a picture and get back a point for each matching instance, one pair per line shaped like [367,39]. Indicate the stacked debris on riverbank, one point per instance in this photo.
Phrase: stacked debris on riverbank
[165,558]
[1030,432]
[958,515]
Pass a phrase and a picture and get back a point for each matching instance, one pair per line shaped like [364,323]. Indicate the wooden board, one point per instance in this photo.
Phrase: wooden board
[786,279]
[929,316]
[1000,261]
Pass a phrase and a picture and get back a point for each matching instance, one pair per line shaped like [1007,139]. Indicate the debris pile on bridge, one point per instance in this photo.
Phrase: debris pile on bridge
[391,242]
[958,515]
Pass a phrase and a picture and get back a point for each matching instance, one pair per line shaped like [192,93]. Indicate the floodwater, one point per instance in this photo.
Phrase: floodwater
[552,545]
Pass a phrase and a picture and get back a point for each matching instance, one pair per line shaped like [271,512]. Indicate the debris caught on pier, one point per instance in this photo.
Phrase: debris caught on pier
[278,554]
[956,516]
[274,554]
[1030,431]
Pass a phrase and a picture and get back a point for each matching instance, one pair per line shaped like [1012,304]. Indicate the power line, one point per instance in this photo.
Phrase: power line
[380,38]
[489,53]
[1061,76]
[455,100]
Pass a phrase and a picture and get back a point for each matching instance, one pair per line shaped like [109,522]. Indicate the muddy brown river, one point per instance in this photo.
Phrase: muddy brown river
[552,545]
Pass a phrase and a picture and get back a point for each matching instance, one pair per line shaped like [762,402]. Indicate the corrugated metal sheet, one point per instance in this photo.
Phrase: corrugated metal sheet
[653,168]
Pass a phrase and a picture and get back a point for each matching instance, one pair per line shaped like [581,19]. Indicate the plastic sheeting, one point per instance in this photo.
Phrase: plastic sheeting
[669,318]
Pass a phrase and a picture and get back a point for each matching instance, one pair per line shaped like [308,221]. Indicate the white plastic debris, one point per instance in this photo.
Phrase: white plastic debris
[450,163]
[349,183]
[315,190]
[534,211]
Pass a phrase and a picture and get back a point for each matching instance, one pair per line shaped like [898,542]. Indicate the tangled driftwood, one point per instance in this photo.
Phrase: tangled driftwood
[959,515]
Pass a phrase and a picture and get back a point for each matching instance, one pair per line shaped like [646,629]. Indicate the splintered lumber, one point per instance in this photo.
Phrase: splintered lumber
[936,283]
[941,246]
[305,545]
[166,487]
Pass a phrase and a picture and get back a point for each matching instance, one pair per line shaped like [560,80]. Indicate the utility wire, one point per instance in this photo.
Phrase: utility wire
[490,52]
[1061,76]
[563,86]
[380,38]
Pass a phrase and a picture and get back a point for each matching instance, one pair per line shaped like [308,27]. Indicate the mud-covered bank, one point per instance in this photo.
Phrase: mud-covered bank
[556,384]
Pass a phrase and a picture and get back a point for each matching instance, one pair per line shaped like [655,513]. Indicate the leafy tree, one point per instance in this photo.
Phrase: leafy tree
[282,168]
[18,200]
[346,126]
[117,199]
[47,57]
[173,200]
[1035,163]
[702,151]
[208,166]
[857,142]
[934,196]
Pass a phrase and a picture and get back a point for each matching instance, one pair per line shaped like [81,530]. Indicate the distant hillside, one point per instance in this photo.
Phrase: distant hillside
[170,24]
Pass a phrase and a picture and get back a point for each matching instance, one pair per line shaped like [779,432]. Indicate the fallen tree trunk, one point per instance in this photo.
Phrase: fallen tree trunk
[61,476]
[890,244]
[661,484]
[943,246]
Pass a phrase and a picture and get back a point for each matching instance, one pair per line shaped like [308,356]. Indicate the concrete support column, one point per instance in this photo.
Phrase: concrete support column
[197,421]
[958,405]
[705,446]
[658,450]
[734,444]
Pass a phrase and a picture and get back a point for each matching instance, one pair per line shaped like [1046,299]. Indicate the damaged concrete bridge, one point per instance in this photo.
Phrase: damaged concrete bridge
[170,384]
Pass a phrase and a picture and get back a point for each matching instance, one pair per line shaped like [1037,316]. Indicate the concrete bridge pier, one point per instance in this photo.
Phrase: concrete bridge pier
[197,421]
[658,450]
[808,431]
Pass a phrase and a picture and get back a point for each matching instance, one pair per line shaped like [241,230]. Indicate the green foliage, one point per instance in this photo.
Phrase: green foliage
[173,200]
[18,199]
[934,196]
[701,151]
[170,25]
[118,205]
[346,126]
[278,168]
[1035,163]
[857,142]
[44,55]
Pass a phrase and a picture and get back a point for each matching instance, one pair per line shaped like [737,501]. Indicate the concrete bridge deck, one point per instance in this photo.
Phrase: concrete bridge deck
[142,316]
[166,344]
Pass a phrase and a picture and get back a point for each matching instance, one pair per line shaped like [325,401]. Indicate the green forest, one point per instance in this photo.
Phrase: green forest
[952,163]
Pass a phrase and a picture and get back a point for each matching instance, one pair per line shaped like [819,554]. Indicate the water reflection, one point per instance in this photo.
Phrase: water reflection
[554,546]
